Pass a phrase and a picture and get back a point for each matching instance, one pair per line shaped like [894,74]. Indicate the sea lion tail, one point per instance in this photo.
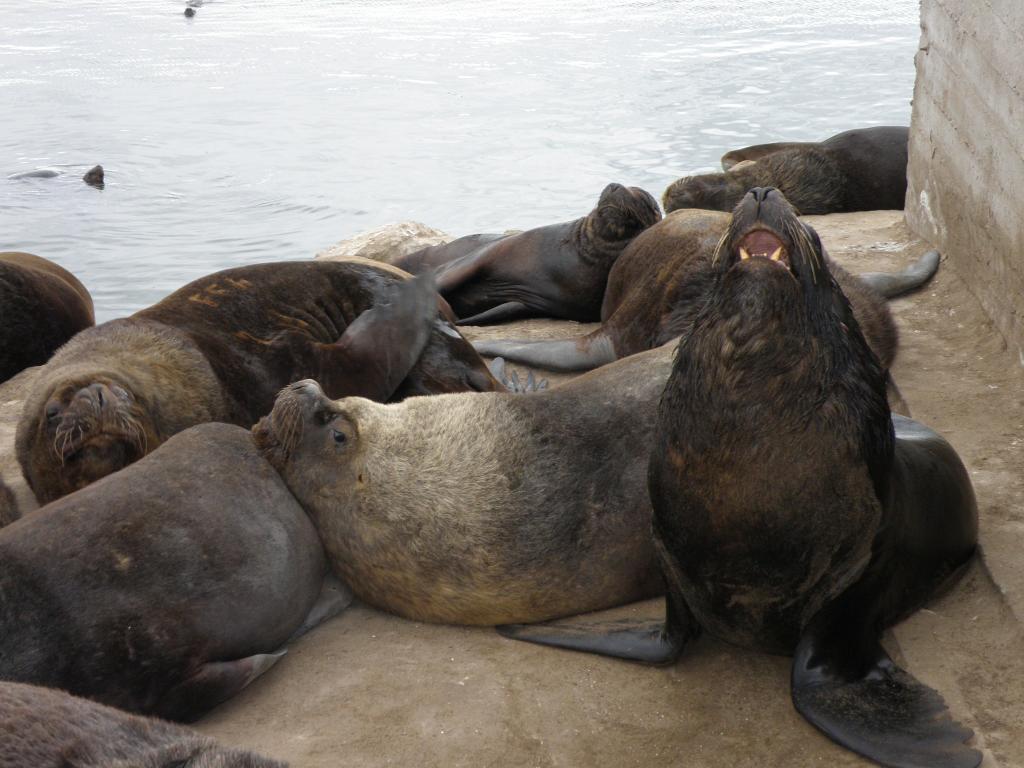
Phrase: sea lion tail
[568,355]
[893,284]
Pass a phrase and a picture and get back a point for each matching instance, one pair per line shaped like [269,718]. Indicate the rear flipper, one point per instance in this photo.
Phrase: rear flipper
[648,641]
[860,699]
[214,682]
[335,597]
[512,382]
[569,355]
[893,284]
[503,313]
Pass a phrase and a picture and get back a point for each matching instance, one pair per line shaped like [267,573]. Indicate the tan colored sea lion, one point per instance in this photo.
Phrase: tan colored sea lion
[44,728]
[473,509]
[656,287]
[555,271]
[42,305]
[863,169]
[220,348]
[165,588]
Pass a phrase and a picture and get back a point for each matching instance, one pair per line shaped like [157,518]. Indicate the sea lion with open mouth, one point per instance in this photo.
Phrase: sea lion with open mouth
[792,512]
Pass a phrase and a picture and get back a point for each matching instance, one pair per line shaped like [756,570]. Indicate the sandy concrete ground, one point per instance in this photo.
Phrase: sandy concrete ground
[369,689]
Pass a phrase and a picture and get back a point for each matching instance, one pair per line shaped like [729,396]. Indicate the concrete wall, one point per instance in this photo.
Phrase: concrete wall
[966,172]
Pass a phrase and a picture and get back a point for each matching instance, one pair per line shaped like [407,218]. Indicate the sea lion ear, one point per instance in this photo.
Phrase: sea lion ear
[382,345]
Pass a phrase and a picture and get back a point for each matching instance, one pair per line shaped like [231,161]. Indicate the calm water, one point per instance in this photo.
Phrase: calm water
[269,129]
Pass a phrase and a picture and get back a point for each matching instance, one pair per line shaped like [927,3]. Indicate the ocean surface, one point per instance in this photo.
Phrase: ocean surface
[269,129]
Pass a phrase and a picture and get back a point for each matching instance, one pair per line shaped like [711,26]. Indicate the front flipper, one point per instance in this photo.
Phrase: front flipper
[651,641]
[568,355]
[860,699]
[214,682]
[377,351]
[335,597]
[503,313]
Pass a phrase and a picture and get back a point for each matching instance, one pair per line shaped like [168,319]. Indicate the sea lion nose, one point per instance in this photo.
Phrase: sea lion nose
[97,394]
[761,193]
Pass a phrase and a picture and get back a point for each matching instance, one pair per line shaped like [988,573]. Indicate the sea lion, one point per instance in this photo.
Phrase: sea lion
[655,288]
[43,728]
[167,587]
[94,177]
[220,348]
[792,512]
[42,305]
[860,170]
[475,509]
[555,271]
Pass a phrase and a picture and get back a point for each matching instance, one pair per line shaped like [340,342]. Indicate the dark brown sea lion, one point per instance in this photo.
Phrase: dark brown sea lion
[43,728]
[517,506]
[654,292]
[860,170]
[792,513]
[167,587]
[220,348]
[42,305]
[94,177]
[555,271]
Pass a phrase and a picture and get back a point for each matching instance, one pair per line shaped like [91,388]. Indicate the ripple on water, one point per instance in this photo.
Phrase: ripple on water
[270,129]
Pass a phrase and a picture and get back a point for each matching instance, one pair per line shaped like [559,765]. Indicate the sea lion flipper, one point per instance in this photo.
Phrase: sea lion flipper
[379,347]
[650,641]
[503,313]
[644,641]
[211,684]
[512,382]
[335,597]
[581,354]
[893,284]
[882,713]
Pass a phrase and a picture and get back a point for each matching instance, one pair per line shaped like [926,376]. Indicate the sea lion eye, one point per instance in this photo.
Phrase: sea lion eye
[52,411]
[339,436]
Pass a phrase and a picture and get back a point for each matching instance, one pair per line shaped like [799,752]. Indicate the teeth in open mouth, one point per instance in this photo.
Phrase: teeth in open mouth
[776,254]
[743,254]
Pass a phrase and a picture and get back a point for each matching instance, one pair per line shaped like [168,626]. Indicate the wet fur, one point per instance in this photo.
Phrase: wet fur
[42,305]
[45,728]
[858,170]
[483,509]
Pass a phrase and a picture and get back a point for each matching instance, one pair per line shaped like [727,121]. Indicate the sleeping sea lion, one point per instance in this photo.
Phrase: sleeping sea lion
[555,271]
[220,348]
[165,588]
[860,170]
[42,305]
[792,512]
[43,728]
[475,509]
[655,288]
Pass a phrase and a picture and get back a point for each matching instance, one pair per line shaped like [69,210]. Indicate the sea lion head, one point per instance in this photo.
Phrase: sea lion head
[773,267]
[82,428]
[710,191]
[448,364]
[622,213]
[306,424]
